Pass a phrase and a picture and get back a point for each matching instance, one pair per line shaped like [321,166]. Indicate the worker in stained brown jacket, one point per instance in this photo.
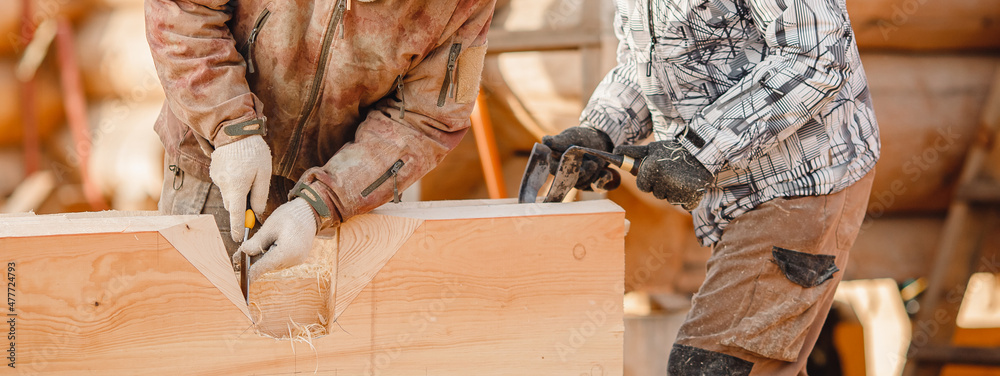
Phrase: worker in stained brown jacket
[314,110]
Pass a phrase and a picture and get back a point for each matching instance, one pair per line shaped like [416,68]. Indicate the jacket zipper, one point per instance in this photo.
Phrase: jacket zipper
[448,81]
[652,38]
[402,99]
[252,40]
[324,56]
[392,172]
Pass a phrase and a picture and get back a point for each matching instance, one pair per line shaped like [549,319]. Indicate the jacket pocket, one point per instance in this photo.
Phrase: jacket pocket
[469,73]
[781,311]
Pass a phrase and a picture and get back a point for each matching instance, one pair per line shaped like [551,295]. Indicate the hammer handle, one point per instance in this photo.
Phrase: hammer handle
[623,162]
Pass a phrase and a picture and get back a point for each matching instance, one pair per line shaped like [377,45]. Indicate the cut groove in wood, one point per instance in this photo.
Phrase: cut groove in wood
[305,300]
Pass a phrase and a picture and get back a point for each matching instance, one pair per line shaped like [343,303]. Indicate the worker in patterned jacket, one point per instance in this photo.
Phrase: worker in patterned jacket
[763,126]
[310,111]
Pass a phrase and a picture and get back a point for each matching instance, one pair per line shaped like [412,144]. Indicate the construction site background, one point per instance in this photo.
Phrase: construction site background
[931,65]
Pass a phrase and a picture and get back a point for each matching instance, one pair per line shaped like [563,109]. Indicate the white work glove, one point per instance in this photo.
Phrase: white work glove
[285,239]
[239,169]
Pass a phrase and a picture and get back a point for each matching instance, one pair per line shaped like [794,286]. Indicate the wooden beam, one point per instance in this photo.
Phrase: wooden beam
[929,114]
[478,287]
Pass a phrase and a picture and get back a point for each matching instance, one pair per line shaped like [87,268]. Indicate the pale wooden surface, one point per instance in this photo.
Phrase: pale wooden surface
[492,295]
[198,241]
[366,245]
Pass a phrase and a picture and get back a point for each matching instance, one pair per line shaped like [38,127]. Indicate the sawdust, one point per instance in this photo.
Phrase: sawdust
[297,332]
[319,265]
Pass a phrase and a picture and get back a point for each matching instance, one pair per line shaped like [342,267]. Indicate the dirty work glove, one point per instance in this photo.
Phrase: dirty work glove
[239,169]
[284,239]
[669,172]
[580,136]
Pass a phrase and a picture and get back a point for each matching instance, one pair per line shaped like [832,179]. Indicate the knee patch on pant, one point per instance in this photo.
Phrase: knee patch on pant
[805,269]
[692,361]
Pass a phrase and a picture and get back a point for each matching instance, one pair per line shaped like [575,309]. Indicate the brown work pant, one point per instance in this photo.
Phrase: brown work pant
[770,284]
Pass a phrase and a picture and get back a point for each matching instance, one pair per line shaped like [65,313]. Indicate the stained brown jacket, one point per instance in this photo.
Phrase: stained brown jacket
[349,89]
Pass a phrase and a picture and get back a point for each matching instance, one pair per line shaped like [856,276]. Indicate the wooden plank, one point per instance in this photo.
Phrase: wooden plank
[926,24]
[486,289]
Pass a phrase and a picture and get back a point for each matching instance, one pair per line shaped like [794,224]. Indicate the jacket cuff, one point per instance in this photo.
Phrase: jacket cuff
[235,130]
[252,123]
[320,196]
[710,145]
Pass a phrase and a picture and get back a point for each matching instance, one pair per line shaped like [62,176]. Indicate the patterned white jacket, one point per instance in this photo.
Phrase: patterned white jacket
[769,95]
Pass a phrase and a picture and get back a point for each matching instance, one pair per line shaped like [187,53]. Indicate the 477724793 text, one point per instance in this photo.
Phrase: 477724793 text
[11,316]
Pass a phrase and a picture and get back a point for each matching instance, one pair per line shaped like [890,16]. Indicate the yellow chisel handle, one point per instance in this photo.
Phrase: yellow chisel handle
[250,219]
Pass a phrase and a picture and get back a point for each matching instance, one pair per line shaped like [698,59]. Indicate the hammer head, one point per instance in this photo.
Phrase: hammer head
[567,173]
[535,174]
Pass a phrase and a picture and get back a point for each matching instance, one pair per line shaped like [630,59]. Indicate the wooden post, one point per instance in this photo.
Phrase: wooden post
[76,110]
[29,116]
[486,143]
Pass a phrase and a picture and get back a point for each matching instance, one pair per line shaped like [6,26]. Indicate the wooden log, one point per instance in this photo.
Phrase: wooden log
[928,110]
[926,24]
[906,243]
[115,58]
[485,288]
